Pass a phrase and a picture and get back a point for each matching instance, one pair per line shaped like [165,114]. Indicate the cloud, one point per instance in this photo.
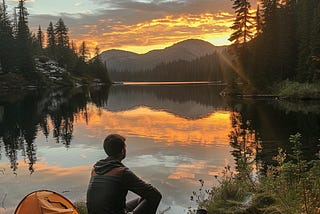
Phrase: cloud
[123,23]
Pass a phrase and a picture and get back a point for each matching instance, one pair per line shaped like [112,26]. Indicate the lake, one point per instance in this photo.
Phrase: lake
[176,135]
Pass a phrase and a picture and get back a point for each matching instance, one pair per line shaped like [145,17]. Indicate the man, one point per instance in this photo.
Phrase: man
[110,181]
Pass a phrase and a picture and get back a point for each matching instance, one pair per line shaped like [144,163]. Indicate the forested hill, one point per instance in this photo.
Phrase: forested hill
[188,50]
[211,67]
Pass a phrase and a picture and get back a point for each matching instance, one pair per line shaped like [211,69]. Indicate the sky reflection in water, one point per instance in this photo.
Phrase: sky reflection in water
[169,151]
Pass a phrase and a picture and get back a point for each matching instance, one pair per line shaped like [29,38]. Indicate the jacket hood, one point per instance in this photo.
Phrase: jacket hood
[105,165]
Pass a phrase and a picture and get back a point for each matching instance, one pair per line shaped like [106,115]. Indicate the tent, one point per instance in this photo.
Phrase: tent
[45,202]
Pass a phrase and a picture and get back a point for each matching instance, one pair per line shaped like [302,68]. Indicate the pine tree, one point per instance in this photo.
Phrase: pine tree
[314,69]
[305,15]
[62,43]
[40,38]
[268,43]
[61,33]
[97,66]
[7,60]
[83,52]
[24,41]
[51,40]
[74,47]
[243,28]
[287,48]
[243,24]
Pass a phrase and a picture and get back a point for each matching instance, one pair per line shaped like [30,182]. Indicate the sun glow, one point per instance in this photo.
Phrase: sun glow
[158,33]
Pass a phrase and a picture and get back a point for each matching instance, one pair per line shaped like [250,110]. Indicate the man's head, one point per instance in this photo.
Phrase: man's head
[114,145]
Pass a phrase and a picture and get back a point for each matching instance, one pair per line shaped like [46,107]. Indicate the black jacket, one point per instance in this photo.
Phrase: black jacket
[109,184]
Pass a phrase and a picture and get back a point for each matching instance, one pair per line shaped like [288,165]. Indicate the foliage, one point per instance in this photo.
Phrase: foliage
[291,185]
[286,46]
[24,52]
[226,197]
[243,23]
[19,48]
[81,207]
[208,68]
[51,40]
[7,60]
[295,90]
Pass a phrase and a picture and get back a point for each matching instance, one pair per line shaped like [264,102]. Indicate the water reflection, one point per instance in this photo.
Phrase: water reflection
[246,146]
[187,101]
[176,135]
[23,117]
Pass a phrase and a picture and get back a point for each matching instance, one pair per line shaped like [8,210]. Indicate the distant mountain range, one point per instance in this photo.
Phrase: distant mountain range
[119,60]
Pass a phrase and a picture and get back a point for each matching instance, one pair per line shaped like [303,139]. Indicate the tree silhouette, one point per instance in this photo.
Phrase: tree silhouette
[7,61]
[40,38]
[51,40]
[23,40]
[246,146]
[243,23]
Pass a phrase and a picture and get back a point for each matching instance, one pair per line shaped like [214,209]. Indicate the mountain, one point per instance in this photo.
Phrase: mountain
[119,60]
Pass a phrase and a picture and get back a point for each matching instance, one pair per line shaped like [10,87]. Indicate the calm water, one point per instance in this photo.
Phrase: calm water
[176,135]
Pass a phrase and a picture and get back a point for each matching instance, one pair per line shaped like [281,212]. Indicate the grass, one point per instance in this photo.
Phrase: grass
[291,186]
[81,207]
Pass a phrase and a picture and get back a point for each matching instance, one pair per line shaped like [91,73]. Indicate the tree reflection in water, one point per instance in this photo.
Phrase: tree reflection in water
[246,146]
[54,113]
[25,115]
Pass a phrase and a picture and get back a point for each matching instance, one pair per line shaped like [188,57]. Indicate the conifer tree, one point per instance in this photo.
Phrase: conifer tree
[61,33]
[40,38]
[51,40]
[73,47]
[243,24]
[6,40]
[98,68]
[287,44]
[314,69]
[268,43]
[62,44]
[83,52]
[24,41]
[243,28]
[306,16]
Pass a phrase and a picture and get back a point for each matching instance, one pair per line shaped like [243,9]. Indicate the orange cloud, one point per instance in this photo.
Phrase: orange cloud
[162,126]
[158,33]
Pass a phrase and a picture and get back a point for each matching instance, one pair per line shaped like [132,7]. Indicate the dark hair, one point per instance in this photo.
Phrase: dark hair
[114,144]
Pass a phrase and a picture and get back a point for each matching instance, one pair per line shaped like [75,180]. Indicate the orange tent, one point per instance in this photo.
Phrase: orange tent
[45,202]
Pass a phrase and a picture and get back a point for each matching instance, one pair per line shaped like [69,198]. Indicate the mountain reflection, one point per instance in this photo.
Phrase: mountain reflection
[176,114]
[187,101]
[54,112]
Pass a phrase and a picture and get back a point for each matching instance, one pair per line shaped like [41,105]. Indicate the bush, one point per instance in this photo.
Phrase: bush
[295,90]
[81,207]
[288,187]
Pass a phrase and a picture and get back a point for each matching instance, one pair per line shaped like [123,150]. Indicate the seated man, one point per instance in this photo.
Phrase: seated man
[111,180]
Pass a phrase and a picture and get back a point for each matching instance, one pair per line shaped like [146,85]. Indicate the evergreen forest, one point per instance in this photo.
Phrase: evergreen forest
[21,50]
[279,41]
[206,68]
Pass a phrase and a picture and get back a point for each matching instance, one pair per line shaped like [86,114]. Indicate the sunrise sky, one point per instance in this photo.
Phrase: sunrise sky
[135,25]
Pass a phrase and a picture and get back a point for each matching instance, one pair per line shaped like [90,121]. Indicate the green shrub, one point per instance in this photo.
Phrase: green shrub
[288,187]
[81,207]
[295,90]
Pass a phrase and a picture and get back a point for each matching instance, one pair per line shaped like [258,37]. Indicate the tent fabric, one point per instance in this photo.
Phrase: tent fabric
[45,202]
